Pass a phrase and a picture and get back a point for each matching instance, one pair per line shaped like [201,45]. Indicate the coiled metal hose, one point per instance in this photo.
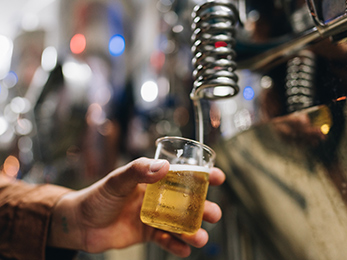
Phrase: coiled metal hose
[300,81]
[213,41]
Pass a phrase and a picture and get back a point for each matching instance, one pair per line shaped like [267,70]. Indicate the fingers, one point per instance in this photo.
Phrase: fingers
[172,244]
[179,244]
[122,181]
[198,239]
[212,212]
[217,176]
[144,170]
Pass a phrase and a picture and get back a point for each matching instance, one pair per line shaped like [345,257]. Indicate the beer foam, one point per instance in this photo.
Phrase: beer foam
[187,167]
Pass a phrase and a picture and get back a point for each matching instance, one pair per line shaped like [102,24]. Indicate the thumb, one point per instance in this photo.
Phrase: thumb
[122,181]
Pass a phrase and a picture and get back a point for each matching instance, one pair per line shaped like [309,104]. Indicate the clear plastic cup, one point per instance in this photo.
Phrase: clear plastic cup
[176,202]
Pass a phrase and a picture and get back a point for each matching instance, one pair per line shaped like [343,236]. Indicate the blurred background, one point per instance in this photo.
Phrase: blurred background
[89,85]
[82,82]
[84,88]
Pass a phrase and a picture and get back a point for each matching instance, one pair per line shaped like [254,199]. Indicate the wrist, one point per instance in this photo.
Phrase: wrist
[64,230]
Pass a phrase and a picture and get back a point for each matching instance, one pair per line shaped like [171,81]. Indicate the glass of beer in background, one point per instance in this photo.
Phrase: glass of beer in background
[176,202]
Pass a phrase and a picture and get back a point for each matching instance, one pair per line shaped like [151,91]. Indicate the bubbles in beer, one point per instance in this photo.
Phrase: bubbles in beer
[176,202]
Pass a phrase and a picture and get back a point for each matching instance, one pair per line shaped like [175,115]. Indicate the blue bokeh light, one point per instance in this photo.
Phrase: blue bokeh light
[116,45]
[248,93]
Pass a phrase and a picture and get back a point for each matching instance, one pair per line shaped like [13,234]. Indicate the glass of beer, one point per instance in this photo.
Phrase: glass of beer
[176,202]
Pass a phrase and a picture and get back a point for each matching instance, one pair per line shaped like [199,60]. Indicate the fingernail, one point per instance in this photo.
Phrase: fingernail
[156,165]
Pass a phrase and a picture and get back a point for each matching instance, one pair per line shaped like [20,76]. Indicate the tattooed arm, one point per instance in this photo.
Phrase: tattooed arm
[25,212]
[107,214]
[44,221]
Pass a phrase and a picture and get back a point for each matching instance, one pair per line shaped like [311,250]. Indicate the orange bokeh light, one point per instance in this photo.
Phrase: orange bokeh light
[11,166]
[78,43]
[341,98]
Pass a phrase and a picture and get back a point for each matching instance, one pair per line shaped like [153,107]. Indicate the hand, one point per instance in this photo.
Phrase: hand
[107,214]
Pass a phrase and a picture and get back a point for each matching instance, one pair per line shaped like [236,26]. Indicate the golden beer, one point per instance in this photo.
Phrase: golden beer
[176,202]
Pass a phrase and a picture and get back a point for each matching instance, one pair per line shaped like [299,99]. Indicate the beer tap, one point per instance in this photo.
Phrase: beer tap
[213,37]
[300,81]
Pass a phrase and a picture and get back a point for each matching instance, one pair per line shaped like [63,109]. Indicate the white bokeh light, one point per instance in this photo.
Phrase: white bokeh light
[49,58]
[149,91]
[6,48]
[77,73]
[3,125]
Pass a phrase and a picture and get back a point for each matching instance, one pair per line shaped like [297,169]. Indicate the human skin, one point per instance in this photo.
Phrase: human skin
[106,215]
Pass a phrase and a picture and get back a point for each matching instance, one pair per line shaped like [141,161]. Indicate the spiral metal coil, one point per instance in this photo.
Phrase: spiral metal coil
[213,41]
[300,81]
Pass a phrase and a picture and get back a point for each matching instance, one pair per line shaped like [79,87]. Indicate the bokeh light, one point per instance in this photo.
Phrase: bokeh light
[95,115]
[77,73]
[116,45]
[20,105]
[78,43]
[6,49]
[49,58]
[10,79]
[149,91]
[5,45]
[157,60]
[24,126]
[248,93]
[3,125]
[11,166]
[325,128]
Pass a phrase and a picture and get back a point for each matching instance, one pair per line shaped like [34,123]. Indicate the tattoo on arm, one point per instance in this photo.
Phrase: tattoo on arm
[64,224]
